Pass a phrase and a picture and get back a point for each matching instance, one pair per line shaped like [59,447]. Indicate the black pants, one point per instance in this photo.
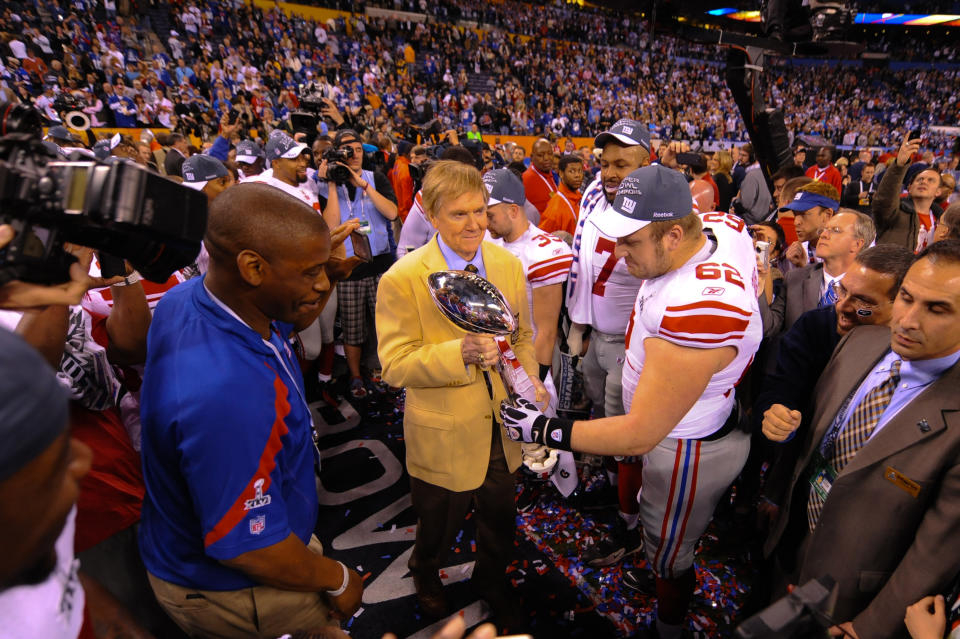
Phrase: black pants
[441,512]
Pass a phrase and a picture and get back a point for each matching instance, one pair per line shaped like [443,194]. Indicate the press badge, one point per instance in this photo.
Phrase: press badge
[822,478]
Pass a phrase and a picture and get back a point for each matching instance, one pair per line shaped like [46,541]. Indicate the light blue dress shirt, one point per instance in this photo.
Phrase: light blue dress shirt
[915,376]
[457,263]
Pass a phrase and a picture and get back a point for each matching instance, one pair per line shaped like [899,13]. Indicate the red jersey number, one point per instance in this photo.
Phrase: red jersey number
[714,271]
[633,318]
[732,221]
[543,240]
[604,245]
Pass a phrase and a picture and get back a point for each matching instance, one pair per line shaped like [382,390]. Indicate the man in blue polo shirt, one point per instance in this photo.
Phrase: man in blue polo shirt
[228,457]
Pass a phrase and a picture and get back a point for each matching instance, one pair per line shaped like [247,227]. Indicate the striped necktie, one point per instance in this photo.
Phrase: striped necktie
[857,432]
[829,297]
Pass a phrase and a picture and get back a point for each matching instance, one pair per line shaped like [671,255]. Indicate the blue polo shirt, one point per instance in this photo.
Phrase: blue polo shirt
[228,454]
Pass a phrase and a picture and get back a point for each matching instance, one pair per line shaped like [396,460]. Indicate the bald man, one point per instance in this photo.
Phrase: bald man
[538,181]
[228,454]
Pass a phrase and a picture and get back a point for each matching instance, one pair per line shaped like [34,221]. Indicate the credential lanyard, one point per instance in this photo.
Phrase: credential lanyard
[550,185]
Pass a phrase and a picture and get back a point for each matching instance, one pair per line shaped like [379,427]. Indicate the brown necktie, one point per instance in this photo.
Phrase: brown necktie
[470,268]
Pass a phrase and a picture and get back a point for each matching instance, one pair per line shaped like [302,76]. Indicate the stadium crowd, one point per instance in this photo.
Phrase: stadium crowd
[807,336]
[537,78]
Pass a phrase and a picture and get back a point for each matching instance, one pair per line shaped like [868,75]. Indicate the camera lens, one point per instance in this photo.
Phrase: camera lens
[19,118]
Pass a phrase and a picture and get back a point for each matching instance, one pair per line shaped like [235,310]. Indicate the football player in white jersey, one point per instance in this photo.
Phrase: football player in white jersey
[546,259]
[289,163]
[694,331]
[600,297]
[546,264]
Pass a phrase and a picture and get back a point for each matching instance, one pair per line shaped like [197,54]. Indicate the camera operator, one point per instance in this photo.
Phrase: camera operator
[368,197]
[17,295]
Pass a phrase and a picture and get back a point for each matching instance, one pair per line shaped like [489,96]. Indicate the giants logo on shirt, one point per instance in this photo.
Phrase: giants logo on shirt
[259,500]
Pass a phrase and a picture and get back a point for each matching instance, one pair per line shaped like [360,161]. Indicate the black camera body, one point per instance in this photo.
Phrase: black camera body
[313,102]
[117,207]
[337,171]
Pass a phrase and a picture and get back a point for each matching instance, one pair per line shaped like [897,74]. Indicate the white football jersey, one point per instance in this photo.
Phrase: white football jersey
[709,302]
[546,260]
[306,191]
[601,292]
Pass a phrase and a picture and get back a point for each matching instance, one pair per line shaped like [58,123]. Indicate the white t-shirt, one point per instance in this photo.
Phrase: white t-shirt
[52,609]
[709,302]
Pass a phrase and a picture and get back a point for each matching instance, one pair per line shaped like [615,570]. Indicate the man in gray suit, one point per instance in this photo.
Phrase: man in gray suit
[842,237]
[875,497]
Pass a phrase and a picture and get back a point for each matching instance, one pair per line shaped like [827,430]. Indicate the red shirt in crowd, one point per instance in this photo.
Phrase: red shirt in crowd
[539,187]
[830,175]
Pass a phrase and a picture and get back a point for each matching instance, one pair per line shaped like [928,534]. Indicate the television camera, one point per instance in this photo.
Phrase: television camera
[117,207]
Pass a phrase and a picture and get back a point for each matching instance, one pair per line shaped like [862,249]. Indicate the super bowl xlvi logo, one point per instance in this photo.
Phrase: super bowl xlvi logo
[259,499]
[258,524]
[713,290]
[629,205]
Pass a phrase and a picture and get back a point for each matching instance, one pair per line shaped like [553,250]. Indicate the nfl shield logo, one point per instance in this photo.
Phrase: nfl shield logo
[257,524]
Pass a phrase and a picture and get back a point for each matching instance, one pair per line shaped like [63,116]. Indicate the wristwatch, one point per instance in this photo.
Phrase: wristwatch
[133,278]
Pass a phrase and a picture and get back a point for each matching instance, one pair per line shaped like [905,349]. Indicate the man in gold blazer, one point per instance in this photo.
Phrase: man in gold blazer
[457,453]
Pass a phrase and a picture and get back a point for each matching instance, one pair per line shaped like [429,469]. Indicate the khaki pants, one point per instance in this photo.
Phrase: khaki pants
[260,611]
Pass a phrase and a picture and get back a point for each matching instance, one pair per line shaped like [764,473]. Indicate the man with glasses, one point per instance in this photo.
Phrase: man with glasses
[811,206]
[809,287]
[871,498]
[863,296]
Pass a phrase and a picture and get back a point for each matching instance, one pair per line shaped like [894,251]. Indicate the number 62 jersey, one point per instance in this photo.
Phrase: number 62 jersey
[709,302]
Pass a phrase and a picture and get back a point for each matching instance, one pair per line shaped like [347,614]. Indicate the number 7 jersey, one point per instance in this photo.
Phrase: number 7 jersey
[601,291]
[709,302]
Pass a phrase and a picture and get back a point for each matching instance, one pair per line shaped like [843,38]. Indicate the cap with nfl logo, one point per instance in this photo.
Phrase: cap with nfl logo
[626,133]
[280,145]
[650,194]
[248,151]
[199,169]
[504,187]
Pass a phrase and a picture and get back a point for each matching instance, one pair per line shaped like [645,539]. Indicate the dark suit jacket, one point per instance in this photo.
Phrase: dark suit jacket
[801,293]
[804,352]
[851,195]
[173,162]
[885,547]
